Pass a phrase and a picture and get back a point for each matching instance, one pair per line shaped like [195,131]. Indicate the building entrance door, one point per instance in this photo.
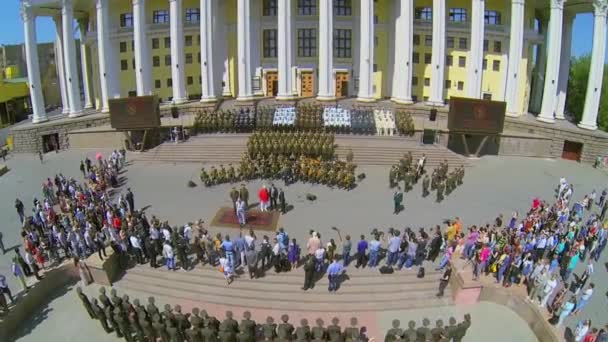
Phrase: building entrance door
[572,150]
[272,83]
[342,84]
[307,84]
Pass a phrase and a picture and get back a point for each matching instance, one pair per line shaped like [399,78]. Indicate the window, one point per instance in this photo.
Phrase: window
[270,43]
[497,46]
[188,58]
[199,58]
[155,43]
[492,18]
[155,61]
[124,65]
[342,7]
[427,58]
[415,58]
[458,15]
[167,42]
[486,43]
[198,39]
[167,60]
[132,45]
[160,17]
[462,43]
[123,47]
[416,39]
[484,65]
[414,98]
[133,63]
[449,60]
[450,43]
[375,68]
[200,79]
[270,8]
[424,13]
[157,84]
[342,43]
[307,7]
[496,65]
[414,81]
[307,42]
[169,82]
[193,15]
[188,40]
[460,85]
[462,61]
[126,20]
[425,98]
[375,41]
[428,40]
[190,80]
[427,81]
[448,84]
[487,96]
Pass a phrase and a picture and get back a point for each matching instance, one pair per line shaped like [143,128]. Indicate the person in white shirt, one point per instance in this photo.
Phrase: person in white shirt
[136,248]
[169,256]
[227,267]
[166,234]
[584,299]
[550,285]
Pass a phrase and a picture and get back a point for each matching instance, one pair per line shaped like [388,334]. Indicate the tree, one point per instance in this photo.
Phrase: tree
[577,90]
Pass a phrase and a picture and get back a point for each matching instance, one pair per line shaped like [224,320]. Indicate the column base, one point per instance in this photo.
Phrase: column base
[366,99]
[208,99]
[326,98]
[105,109]
[179,101]
[513,114]
[88,106]
[65,111]
[287,97]
[545,119]
[587,126]
[399,100]
[560,117]
[435,103]
[39,120]
[245,98]
[76,114]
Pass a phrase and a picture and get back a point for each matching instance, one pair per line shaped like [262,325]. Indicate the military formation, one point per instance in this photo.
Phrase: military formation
[292,145]
[136,322]
[452,332]
[441,179]
[309,118]
[405,123]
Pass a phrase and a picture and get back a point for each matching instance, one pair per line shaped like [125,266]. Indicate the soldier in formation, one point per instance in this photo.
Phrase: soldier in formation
[404,171]
[453,332]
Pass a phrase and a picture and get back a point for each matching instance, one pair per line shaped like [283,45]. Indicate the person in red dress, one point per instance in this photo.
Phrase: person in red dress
[263,197]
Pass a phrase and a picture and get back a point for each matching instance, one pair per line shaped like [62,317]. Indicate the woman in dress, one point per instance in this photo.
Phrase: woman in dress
[293,254]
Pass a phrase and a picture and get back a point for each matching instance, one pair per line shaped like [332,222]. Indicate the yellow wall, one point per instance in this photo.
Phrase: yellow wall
[9,91]
[11,71]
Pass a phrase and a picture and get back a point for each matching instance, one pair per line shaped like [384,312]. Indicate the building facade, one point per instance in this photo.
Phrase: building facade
[516,51]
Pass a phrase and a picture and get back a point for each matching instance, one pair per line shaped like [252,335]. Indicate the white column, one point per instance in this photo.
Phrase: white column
[438,57]
[84,60]
[554,43]
[564,67]
[177,51]
[475,67]
[207,34]
[402,71]
[69,52]
[284,44]
[366,54]
[244,50]
[516,47]
[327,90]
[65,105]
[103,51]
[143,72]
[31,59]
[596,70]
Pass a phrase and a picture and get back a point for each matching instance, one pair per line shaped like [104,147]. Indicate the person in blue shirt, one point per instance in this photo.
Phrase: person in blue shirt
[334,271]
[239,249]
[361,250]
[228,248]
[374,250]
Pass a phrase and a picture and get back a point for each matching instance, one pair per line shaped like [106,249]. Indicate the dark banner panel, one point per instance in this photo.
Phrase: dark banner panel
[133,113]
[476,116]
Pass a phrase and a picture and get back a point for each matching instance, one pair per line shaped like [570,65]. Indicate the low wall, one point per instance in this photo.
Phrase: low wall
[39,294]
[98,139]
[511,145]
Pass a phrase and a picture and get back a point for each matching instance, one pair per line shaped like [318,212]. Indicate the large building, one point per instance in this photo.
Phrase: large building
[515,51]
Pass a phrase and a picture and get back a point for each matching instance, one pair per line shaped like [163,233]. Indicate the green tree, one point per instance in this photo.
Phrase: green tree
[577,90]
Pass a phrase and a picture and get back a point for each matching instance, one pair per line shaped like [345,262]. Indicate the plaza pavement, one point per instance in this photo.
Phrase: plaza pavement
[492,186]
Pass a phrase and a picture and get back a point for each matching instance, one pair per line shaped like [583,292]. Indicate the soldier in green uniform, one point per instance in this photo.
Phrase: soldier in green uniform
[303,331]
[392,177]
[103,299]
[461,175]
[309,273]
[194,334]
[410,334]
[126,305]
[151,308]
[461,331]
[101,316]
[231,174]
[439,331]
[136,327]
[234,196]
[318,332]
[159,328]
[211,321]
[208,333]
[440,189]
[196,320]
[351,334]
[213,176]
[205,177]
[173,331]
[222,174]
[181,322]
[228,329]
[109,311]
[285,329]
[85,302]
[450,330]
[247,328]
[121,322]
[395,333]
[334,331]
[167,314]
[148,330]
[139,310]
[269,329]
[244,194]
[425,185]
[424,333]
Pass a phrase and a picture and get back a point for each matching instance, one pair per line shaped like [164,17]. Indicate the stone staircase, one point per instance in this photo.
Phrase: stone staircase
[368,150]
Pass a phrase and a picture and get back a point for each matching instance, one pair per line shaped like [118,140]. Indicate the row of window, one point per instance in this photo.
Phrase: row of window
[462,43]
[308,7]
[449,61]
[188,41]
[457,15]
[188,59]
[193,15]
[189,81]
